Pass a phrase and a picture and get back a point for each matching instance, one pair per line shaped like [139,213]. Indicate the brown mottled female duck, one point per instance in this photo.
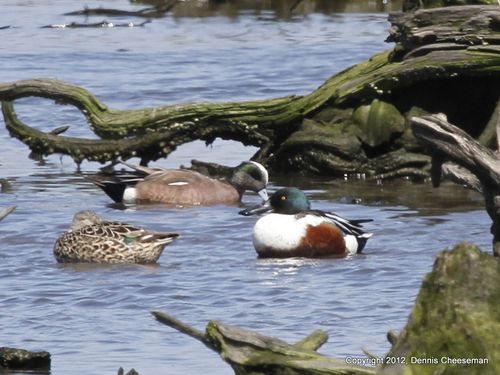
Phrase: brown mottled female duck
[93,240]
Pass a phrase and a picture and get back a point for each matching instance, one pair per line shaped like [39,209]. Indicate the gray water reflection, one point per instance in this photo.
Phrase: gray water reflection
[94,319]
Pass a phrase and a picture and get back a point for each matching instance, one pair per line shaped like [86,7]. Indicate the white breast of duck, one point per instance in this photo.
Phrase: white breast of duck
[305,235]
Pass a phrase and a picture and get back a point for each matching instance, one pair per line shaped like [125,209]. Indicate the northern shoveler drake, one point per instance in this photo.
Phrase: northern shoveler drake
[184,187]
[292,229]
[93,240]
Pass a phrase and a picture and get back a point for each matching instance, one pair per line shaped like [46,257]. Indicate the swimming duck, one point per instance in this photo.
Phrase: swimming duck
[292,229]
[184,187]
[93,240]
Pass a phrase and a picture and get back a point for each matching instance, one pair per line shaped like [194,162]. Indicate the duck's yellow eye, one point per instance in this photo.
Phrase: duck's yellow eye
[283,198]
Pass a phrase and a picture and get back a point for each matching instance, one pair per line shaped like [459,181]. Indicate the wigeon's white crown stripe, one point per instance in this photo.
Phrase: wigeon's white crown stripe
[263,170]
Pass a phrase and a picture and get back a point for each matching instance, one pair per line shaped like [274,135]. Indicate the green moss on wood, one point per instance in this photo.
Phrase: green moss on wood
[456,315]
[378,123]
[250,353]
[25,360]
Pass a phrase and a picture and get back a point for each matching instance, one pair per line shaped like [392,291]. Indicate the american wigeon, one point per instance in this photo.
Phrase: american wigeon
[93,240]
[185,187]
[292,229]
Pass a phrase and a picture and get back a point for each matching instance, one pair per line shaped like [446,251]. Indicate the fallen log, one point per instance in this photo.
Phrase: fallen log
[357,122]
[249,352]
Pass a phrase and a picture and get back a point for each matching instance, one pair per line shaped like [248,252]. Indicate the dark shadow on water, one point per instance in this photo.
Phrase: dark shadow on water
[418,196]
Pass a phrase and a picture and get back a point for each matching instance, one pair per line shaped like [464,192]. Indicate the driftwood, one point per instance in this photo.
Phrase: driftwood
[5,211]
[252,353]
[356,122]
[448,142]
[412,5]
[444,29]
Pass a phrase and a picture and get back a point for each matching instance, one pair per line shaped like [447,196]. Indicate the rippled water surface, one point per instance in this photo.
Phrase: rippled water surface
[94,319]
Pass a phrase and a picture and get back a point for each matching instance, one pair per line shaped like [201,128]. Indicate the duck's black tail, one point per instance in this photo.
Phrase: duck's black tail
[362,239]
[112,185]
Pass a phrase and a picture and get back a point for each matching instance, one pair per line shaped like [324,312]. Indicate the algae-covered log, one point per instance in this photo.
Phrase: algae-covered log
[356,122]
[249,352]
[25,360]
[454,326]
